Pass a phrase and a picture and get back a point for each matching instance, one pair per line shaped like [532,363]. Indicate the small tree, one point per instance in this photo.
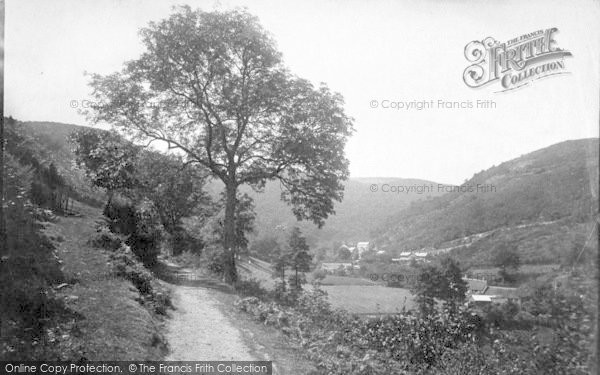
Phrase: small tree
[507,259]
[429,285]
[299,257]
[280,263]
[443,282]
[344,253]
[108,160]
[456,287]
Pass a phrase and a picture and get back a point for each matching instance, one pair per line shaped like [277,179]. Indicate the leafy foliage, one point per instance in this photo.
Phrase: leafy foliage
[299,258]
[507,259]
[141,225]
[125,265]
[443,282]
[107,158]
[174,187]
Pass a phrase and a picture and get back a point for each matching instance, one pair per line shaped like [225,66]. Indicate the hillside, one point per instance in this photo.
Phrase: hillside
[360,212]
[542,203]
[48,142]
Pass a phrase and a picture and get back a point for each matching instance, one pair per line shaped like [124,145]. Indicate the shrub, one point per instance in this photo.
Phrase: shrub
[126,265]
[213,258]
[318,275]
[250,288]
[106,239]
[182,241]
[145,241]
[140,223]
[121,216]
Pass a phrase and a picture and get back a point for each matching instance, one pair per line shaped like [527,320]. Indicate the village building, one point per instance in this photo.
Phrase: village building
[332,267]
[361,247]
[407,256]
[479,293]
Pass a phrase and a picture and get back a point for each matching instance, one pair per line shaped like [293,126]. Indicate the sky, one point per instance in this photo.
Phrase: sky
[374,53]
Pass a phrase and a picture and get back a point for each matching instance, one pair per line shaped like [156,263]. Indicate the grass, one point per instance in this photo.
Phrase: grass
[361,299]
[356,295]
[346,280]
[113,325]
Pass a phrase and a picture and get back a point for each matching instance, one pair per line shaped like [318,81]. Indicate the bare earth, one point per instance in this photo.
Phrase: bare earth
[206,326]
[198,331]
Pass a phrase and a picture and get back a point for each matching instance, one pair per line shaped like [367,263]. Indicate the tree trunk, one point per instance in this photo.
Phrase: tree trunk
[229,238]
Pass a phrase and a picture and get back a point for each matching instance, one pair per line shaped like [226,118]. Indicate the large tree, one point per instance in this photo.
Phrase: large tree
[213,86]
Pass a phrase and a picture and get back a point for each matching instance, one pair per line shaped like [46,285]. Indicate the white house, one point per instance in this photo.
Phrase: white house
[361,247]
[334,266]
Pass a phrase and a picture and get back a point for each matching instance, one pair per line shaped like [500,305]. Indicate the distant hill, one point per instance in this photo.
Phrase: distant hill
[360,212]
[542,203]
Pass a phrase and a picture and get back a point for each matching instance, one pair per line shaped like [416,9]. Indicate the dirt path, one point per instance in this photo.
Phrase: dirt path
[198,331]
[206,326]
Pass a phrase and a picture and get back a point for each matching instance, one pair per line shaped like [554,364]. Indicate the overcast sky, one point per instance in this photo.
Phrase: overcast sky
[366,50]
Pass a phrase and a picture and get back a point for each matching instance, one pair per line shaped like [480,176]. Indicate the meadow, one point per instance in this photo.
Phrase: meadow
[369,300]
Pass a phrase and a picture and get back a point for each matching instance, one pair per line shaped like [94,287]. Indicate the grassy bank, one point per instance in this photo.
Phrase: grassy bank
[112,321]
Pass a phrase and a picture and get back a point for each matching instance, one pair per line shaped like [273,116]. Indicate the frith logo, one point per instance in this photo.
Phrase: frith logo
[515,63]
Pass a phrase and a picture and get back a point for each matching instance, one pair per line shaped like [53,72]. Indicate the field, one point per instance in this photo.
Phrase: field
[362,299]
[345,280]
[356,295]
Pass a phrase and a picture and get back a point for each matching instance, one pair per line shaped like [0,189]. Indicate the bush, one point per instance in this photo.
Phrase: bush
[121,216]
[126,265]
[250,288]
[106,239]
[140,223]
[213,258]
[318,275]
[182,241]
